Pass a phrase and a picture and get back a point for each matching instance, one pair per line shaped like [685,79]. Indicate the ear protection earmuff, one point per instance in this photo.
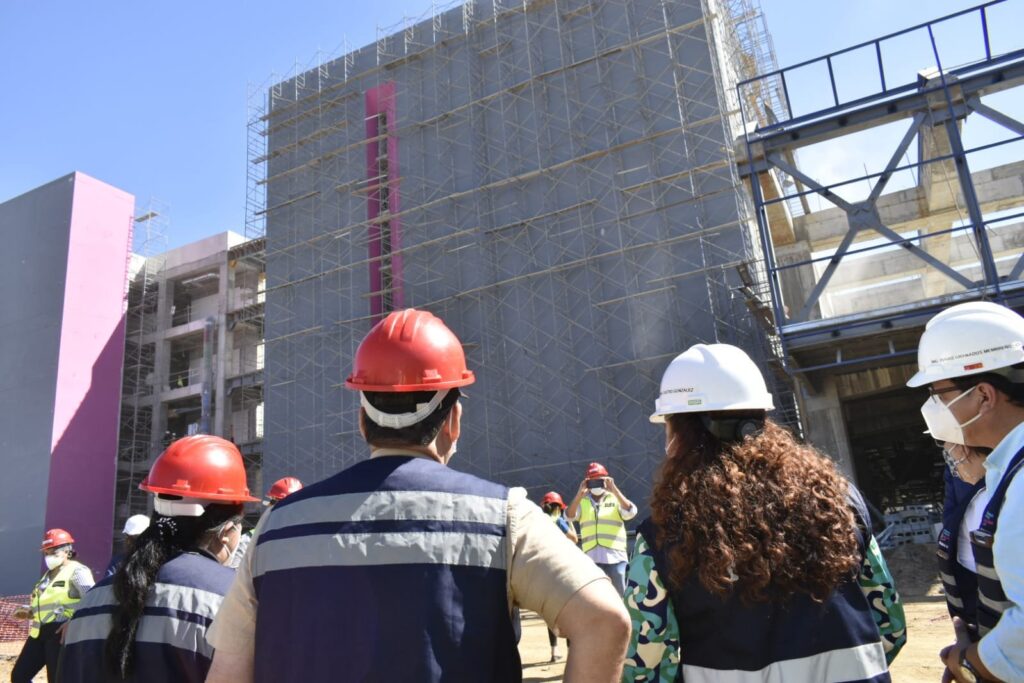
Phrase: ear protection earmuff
[732,429]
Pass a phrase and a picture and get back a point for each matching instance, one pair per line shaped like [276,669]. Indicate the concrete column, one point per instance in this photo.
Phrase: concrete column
[224,346]
[796,283]
[825,426]
[161,366]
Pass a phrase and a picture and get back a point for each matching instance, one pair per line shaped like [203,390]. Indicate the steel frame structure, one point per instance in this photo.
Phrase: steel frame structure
[770,146]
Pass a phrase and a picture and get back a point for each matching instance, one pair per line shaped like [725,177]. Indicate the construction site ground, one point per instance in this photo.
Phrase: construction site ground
[913,566]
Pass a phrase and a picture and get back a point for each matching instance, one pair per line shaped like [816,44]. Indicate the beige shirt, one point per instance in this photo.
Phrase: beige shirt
[545,569]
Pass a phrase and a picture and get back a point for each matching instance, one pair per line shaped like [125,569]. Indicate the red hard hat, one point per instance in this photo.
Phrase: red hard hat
[284,486]
[552,497]
[596,470]
[55,538]
[409,350]
[202,467]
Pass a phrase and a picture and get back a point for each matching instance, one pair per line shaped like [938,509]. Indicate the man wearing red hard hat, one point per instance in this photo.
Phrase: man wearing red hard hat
[400,568]
[602,512]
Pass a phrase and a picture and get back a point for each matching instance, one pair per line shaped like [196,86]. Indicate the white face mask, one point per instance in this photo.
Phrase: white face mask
[53,561]
[598,492]
[942,423]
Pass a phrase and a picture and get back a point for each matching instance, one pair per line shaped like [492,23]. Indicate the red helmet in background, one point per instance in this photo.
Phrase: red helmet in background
[553,497]
[285,486]
[201,467]
[596,471]
[54,538]
[409,350]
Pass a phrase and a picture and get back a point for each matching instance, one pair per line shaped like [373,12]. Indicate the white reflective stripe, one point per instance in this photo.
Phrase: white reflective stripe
[849,664]
[350,550]
[995,605]
[955,602]
[946,578]
[401,420]
[987,572]
[167,595]
[158,629]
[390,505]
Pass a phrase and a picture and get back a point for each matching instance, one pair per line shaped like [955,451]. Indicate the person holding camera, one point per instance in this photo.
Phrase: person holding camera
[602,512]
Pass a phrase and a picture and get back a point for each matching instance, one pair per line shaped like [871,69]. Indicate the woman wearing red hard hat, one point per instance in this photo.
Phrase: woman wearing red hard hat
[53,601]
[148,622]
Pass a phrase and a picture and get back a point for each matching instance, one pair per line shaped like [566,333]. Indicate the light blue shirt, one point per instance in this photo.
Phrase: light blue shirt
[1002,650]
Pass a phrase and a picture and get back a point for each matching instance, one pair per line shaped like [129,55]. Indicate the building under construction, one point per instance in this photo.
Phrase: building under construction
[193,354]
[557,180]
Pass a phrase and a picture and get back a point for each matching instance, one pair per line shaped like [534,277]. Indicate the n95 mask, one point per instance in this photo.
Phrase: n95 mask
[942,423]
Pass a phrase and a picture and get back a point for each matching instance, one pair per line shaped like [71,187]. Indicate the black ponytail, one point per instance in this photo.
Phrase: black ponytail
[165,539]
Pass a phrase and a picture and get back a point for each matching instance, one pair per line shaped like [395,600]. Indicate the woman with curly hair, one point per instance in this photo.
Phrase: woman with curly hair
[757,563]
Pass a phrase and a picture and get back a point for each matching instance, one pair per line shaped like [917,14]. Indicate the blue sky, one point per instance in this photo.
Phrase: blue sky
[151,96]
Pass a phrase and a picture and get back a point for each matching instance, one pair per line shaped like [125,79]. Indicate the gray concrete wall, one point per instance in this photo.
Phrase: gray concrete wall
[34,228]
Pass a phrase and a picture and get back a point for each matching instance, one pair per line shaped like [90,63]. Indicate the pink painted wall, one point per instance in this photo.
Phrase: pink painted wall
[87,400]
[382,100]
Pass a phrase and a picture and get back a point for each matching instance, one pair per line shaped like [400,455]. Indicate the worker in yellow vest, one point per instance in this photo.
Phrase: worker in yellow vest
[602,512]
[51,605]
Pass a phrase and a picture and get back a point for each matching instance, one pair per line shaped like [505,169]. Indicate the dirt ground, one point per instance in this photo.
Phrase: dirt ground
[928,627]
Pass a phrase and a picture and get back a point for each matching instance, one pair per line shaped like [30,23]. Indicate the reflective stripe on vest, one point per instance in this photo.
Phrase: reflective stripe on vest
[170,644]
[606,528]
[946,557]
[861,663]
[415,552]
[54,602]
[992,600]
[174,615]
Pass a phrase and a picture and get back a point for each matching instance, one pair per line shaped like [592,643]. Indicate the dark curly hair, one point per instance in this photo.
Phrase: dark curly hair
[762,519]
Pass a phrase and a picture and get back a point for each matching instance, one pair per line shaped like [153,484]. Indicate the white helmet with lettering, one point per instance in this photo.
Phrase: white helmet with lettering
[710,377]
[969,339]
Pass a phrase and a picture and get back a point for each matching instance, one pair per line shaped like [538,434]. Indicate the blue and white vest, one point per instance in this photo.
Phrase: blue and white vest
[170,645]
[797,640]
[392,570]
[958,582]
[992,600]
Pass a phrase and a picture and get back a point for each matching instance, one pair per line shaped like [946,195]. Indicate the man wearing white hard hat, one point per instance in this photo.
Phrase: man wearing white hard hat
[133,527]
[971,359]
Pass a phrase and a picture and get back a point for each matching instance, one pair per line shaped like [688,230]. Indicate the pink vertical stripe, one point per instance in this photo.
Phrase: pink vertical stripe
[83,464]
[381,100]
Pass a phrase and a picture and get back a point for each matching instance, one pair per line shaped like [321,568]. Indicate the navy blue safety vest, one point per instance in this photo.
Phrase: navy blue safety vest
[170,644]
[992,600]
[391,570]
[797,640]
[958,582]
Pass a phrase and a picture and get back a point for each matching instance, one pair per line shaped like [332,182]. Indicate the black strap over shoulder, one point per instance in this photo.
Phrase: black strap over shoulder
[990,518]
[855,499]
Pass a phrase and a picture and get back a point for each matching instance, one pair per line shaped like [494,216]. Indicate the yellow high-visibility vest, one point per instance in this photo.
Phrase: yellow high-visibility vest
[606,528]
[54,601]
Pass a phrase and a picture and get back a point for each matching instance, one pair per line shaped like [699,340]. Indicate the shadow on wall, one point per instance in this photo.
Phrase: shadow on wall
[83,465]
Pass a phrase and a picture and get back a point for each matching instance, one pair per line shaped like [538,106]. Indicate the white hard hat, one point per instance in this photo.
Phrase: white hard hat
[708,377]
[135,525]
[969,339]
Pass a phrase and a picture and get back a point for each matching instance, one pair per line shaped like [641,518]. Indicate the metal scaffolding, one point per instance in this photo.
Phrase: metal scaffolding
[145,263]
[554,178]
